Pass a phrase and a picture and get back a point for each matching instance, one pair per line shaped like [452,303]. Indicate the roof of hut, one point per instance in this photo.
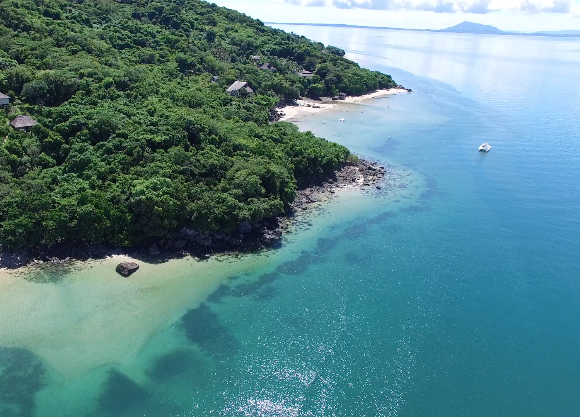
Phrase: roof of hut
[237,85]
[22,122]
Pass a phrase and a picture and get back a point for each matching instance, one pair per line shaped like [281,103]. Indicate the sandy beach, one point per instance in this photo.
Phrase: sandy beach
[309,106]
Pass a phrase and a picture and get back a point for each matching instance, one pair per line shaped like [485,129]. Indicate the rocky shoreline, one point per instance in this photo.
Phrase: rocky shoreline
[247,238]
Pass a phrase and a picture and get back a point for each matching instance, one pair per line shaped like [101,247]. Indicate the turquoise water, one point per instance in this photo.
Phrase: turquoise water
[455,293]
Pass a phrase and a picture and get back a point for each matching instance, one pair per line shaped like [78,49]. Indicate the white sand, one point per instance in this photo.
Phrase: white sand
[308,106]
[305,107]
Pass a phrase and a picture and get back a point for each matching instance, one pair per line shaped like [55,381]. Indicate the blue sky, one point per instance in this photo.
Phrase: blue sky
[516,15]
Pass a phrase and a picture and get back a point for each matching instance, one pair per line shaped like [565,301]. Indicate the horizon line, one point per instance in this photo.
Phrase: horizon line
[501,32]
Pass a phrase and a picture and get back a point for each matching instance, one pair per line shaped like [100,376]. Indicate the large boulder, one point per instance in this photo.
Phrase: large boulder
[189,233]
[179,244]
[127,268]
[203,240]
[219,235]
[154,250]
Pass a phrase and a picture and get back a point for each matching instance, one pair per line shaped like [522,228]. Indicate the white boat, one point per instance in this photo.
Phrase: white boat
[485,147]
[341,119]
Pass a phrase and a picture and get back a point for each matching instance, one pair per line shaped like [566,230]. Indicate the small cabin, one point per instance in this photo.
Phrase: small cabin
[23,123]
[214,79]
[4,100]
[237,86]
[268,67]
[305,74]
[256,57]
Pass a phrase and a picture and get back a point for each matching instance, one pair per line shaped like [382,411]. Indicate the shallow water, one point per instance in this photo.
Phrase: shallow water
[455,292]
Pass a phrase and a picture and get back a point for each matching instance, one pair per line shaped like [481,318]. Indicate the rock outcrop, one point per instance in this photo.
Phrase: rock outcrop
[153,250]
[127,268]
[247,236]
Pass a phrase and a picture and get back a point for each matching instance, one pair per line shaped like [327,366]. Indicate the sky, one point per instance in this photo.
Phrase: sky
[508,15]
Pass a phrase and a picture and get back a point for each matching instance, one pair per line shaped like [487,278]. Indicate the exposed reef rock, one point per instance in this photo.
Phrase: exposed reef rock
[127,268]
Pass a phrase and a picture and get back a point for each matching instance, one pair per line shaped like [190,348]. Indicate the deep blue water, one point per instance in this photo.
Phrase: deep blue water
[462,299]
[493,259]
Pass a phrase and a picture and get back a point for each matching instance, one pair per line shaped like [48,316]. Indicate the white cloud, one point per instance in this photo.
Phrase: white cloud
[448,6]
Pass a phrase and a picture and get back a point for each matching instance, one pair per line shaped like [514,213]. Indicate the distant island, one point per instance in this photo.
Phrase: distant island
[135,123]
[469,27]
[464,27]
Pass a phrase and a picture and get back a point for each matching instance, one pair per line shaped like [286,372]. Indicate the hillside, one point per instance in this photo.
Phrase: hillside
[132,140]
[469,27]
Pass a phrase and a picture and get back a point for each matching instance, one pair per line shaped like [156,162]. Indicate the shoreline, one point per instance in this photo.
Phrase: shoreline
[88,317]
[307,106]
[248,239]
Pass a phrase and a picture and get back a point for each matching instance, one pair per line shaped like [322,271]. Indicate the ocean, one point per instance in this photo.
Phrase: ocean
[454,291]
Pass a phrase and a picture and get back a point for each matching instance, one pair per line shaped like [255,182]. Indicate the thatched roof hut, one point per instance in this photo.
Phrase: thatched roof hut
[23,122]
[268,67]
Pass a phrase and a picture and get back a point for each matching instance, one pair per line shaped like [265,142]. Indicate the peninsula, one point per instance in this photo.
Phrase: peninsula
[127,123]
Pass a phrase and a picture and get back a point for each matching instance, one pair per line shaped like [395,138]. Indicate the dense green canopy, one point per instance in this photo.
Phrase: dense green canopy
[133,141]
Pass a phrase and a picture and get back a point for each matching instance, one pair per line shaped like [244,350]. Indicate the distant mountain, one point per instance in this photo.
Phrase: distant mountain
[465,27]
[469,27]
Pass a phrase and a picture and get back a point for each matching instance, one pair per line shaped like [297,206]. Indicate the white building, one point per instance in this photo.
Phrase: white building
[235,88]
[4,100]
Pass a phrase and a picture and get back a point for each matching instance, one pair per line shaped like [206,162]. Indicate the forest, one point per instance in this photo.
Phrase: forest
[136,136]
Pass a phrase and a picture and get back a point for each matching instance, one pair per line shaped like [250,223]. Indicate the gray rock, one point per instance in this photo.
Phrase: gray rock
[154,250]
[179,244]
[188,233]
[203,240]
[244,227]
[127,268]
